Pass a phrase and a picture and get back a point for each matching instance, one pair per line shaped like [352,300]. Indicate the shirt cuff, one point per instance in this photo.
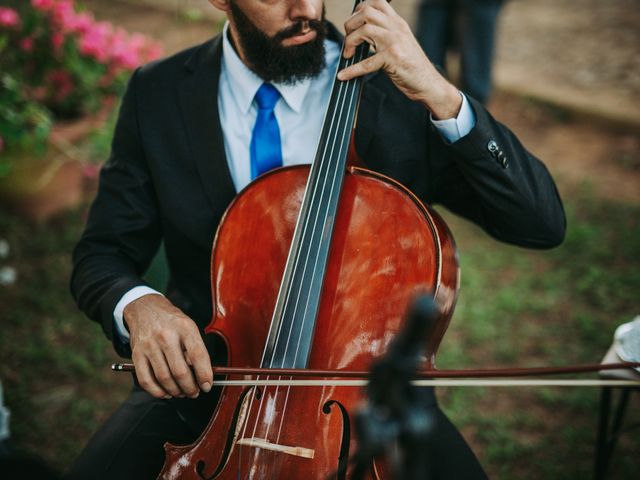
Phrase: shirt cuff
[453,129]
[118,312]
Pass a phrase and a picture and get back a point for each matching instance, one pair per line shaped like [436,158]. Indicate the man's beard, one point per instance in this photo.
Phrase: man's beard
[271,61]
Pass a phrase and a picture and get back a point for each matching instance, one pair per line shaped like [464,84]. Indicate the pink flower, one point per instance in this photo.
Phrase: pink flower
[122,52]
[61,7]
[9,17]
[43,5]
[57,40]
[27,44]
[95,41]
[82,23]
[137,41]
[154,51]
[64,15]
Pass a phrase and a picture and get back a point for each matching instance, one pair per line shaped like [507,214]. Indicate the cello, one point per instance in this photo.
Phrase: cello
[313,267]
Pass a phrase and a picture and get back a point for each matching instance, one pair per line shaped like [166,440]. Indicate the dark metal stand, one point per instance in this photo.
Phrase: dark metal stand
[396,421]
[608,435]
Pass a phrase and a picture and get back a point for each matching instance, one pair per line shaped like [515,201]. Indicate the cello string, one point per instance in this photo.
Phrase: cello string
[336,172]
[347,91]
[308,239]
[314,187]
[342,134]
[322,178]
[287,281]
[320,214]
[314,273]
[315,175]
[333,133]
[332,184]
[331,141]
[298,237]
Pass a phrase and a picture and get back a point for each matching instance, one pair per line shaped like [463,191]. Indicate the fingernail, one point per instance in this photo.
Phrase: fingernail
[195,395]
[340,75]
[167,397]
[206,386]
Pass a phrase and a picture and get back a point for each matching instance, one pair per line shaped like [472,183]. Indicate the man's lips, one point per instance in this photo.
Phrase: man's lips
[300,38]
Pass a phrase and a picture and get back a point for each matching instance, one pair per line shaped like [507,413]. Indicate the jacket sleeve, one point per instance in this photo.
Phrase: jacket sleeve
[490,178]
[123,231]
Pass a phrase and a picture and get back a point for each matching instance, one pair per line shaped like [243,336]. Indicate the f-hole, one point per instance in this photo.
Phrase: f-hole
[201,464]
[343,456]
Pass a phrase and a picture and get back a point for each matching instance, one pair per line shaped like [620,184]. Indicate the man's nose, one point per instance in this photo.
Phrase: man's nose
[304,9]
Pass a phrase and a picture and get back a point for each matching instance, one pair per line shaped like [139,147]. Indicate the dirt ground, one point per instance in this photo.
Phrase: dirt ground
[582,54]
[580,152]
[579,145]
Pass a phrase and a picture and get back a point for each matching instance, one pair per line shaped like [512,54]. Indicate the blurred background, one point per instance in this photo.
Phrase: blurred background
[566,79]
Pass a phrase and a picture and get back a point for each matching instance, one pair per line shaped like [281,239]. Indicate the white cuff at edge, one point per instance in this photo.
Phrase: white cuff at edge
[453,129]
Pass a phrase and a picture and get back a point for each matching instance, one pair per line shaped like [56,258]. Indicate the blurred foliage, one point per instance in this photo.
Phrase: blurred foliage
[99,141]
[58,62]
[527,308]
[53,362]
[66,59]
[24,123]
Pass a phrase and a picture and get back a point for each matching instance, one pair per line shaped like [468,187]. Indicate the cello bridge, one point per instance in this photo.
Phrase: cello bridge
[274,447]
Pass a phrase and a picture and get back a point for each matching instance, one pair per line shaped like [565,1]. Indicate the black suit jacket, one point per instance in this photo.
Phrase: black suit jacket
[167,179]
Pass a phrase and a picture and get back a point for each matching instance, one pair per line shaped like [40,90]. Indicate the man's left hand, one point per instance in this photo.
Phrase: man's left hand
[399,54]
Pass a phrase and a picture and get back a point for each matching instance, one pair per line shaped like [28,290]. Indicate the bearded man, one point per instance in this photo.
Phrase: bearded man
[185,144]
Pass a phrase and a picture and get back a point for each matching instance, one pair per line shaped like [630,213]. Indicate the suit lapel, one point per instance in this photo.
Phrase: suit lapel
[198,95]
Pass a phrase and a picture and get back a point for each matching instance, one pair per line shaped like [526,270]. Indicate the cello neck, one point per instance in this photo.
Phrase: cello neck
[292,325]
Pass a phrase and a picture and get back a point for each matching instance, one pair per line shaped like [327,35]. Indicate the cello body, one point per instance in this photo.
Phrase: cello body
[386,247]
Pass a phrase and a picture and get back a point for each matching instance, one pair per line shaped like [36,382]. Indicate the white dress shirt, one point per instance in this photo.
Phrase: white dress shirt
[300,113]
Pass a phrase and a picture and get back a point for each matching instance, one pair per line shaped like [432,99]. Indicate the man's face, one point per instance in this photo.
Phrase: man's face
[280,40]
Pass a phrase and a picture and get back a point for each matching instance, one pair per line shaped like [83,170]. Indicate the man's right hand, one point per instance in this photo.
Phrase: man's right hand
[166,345]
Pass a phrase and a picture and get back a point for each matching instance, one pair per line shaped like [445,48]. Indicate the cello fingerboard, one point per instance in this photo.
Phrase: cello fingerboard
[291,331]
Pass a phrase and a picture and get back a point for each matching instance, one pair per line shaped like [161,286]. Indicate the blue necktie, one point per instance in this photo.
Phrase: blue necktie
[266,151]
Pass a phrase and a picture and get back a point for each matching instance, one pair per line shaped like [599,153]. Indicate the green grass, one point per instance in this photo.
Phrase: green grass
[53,362]
[516,307]
[530,308]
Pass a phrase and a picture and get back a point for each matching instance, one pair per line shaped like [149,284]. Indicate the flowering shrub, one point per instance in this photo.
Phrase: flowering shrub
[59,58]
[24,124]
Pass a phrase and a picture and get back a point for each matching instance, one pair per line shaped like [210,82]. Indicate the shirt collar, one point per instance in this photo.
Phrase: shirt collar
[244,83]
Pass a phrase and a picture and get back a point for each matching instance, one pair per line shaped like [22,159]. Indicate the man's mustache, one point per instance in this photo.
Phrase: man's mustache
[299,27]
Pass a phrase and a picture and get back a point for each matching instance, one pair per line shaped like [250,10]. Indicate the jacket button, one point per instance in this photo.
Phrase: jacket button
[492,146]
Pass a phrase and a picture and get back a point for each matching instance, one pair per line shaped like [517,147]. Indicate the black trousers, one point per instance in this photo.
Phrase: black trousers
[130,443]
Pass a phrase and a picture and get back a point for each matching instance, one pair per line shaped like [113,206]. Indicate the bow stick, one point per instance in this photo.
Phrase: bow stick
[432,377]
